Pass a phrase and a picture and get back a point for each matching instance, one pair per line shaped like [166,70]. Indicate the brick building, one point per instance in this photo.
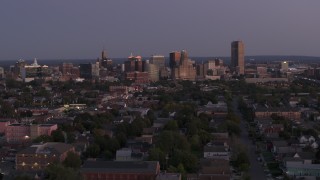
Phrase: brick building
[288,113]
[3,125]
[20,133]
[17,133]
[37,157]
[120,170]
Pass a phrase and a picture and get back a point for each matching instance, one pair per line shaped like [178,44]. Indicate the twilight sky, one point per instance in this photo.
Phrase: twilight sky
[71,29]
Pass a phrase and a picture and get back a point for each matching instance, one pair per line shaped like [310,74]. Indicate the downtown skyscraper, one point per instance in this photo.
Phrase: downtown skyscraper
[237,57]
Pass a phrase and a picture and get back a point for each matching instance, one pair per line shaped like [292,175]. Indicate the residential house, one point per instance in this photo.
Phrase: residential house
[214,169]
[216,152]
[302,164]
[308,140]
[145,138]
[126,154]
[280,148]
[169,176]
[219,110]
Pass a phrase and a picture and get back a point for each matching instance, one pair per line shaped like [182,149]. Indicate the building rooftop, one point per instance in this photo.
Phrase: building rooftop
[46,125]
[121,166]
[47,148]
[18,124]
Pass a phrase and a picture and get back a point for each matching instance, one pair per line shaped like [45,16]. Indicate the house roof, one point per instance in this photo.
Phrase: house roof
[280,143]
[214,149]
[306,155]
[169,176]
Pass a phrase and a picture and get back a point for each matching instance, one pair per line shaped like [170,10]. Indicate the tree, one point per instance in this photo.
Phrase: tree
[241,161]
[233,128]
[156,154]
[172,126]
[71,137]
[57,136]
[168,141]
[43,138]
[7,110]
[186,158]
[93,151]
[72,160]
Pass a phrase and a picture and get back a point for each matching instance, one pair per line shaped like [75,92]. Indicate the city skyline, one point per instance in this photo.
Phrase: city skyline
[65,30]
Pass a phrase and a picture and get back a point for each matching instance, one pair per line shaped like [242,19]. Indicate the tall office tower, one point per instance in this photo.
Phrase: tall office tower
[237,57]
[186,70]
[158,60]
[211,64]
[200,71]
[17,67]
[66,68]
[1,72]
[86,71]
[134,63]
[284,66]
[105,62]
[174,59]
[153,71]
[218,62]
[103,55]
[89,70]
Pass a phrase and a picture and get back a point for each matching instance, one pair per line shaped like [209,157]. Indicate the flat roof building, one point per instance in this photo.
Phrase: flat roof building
[124,170]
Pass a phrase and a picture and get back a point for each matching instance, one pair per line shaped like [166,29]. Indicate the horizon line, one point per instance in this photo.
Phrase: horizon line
[49,59]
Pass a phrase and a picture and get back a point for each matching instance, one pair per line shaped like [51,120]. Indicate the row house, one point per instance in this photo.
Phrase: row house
[288,113]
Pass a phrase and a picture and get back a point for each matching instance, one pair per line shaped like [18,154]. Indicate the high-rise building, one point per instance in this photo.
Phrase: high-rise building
[105,62]
[218,62]
[89,71]
[153,72]
[284,66]
[237,57]
[158,60]
[30,72]
[134,63]
[174,59]
[186,69]
[103,55]
[16,70]
[1,72]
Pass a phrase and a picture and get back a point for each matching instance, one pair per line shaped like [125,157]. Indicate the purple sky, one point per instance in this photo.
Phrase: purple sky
[63,29]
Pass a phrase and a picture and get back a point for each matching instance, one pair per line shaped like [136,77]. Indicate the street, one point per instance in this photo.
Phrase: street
[256,169]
